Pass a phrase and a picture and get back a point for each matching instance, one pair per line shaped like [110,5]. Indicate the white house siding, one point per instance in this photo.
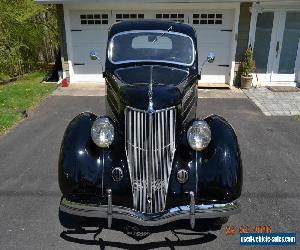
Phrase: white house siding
[217,35]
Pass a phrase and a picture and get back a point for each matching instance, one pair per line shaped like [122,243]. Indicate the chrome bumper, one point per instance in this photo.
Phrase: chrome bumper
[189,212]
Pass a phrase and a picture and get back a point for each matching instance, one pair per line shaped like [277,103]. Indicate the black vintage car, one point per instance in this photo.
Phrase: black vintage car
[149,160]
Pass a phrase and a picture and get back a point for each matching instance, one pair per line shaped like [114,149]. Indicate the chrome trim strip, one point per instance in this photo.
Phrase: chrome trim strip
[145,111]
[156,219]
[192,210]
[109,51]
[187,115]
[109,208]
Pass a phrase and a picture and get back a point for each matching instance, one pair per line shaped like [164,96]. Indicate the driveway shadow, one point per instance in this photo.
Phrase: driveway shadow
[201,234]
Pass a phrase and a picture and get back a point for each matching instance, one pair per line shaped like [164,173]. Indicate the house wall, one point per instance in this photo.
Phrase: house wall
[243,37]
[243,33]
[62,40]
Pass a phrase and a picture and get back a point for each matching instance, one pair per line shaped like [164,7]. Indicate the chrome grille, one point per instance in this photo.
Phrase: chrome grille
[150,147]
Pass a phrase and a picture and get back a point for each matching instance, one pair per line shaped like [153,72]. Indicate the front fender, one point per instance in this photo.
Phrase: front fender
[85,169]
[215,174]
[219,166]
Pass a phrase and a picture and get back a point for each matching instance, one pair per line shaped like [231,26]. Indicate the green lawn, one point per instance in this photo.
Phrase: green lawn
[21,95]
[298,117]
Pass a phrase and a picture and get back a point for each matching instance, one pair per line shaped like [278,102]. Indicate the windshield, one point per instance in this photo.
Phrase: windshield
[153,46]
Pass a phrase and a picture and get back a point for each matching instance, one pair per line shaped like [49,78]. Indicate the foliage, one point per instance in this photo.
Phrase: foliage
[297,117]
[28,36]
[247,66]
[20,95]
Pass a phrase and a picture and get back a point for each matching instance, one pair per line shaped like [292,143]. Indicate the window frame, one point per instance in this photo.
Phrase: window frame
[109,50]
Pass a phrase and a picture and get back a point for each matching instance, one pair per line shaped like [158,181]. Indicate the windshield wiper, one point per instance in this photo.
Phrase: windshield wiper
[156,38]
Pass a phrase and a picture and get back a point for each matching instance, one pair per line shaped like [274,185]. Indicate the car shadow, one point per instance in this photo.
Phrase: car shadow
[201,234]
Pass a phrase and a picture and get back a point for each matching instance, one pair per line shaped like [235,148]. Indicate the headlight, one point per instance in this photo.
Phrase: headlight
[102,132]
[199,135]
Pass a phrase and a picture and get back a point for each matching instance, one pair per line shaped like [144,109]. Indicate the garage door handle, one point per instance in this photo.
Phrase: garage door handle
[79,64]
[226,30]
[223,65]
[75,30]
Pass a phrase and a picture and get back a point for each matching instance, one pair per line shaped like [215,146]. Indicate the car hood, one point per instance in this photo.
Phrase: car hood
[134,87]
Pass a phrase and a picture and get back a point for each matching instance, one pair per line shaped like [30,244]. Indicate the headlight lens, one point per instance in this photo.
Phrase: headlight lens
[102,132]
[199,135]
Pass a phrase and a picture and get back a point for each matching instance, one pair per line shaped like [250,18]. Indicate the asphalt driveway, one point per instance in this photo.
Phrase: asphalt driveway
[29,193]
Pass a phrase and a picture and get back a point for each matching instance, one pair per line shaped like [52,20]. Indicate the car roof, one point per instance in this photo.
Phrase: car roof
[152,25]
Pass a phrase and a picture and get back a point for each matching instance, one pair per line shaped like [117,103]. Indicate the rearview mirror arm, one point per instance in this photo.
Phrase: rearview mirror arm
[202,66]
[100,62]
[94,57]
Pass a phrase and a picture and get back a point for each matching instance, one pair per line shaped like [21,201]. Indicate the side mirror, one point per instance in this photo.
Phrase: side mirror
[211,57]
[94,56]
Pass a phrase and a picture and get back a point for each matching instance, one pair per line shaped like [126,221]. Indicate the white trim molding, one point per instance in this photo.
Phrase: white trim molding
[234,42]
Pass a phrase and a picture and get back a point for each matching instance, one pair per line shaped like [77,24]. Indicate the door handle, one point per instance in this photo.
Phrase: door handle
[277,48]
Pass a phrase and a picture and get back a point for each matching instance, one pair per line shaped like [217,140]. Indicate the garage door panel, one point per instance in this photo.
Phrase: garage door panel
[90,19]
[90,31]
[90,70]
[82,54]
[88,37]
[222,54]
[212,19]
[214,34]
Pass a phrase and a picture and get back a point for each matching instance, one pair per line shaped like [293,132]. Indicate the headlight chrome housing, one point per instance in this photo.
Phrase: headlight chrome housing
[102,132]
[199,135]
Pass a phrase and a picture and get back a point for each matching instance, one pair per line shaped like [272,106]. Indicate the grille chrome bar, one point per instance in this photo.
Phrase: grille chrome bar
[150,148]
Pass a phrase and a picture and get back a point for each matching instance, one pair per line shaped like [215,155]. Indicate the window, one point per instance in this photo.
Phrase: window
[208,18]
[121,17]
[171,16]
[151,46]
[149,42]
[86,19]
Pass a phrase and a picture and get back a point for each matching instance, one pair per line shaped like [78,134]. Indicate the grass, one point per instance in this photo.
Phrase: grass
[297,117]
[21,95]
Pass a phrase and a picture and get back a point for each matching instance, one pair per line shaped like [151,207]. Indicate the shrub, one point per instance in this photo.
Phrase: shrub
[247,65]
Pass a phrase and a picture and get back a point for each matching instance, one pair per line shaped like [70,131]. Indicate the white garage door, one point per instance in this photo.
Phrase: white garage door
[214,33]
[89,31]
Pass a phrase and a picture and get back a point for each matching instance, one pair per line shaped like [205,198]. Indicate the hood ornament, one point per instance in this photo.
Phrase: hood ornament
[150,93]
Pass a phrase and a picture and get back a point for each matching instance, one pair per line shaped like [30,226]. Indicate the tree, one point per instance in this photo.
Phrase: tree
[28,36]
